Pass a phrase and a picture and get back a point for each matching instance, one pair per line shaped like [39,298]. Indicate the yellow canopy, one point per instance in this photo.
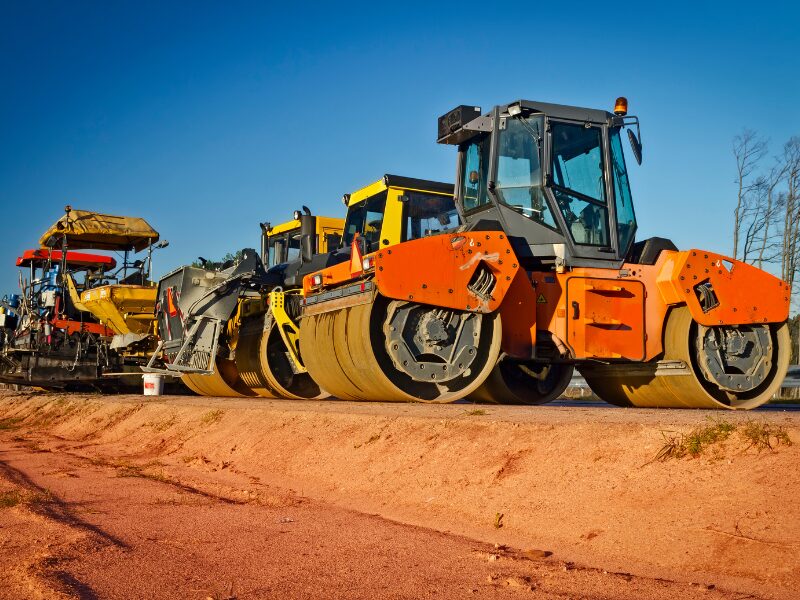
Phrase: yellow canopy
[86,229]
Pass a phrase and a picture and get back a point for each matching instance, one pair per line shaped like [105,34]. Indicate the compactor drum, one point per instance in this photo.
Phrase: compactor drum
[538,273]
[359,344]
[703,367]
[399,351]
[263,355]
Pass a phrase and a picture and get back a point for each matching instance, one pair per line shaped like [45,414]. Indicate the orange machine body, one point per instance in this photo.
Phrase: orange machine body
[597,313]
[436,270]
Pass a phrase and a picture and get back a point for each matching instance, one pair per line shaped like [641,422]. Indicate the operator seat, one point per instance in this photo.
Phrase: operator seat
[647,251]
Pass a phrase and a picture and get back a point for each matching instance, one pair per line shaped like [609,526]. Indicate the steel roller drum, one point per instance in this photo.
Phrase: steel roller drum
[265,366]
[701,381]
[248,357]
[223,382]
[368,352]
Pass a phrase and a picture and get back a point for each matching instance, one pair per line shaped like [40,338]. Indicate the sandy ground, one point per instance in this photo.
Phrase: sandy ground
[119,497]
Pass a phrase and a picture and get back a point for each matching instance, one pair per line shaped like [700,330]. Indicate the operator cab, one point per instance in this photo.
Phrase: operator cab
[554,177]
[398,209]
[283,243]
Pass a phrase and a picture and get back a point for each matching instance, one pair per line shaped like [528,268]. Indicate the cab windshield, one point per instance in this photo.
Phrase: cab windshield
[283,247]
[366,218]
[519,169]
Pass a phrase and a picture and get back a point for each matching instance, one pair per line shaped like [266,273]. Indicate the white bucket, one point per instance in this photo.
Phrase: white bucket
[153,384]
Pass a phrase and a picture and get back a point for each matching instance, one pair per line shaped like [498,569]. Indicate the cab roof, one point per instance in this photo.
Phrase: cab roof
[75,259]
[465,122]
[563,111]
[294,225]
[87,229]
[398,181]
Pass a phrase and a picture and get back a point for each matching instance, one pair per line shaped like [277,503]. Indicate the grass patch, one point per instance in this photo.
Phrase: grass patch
[763,436]
[212,416]
[161,426]
[498,520]
[476,412]
[34,446]
[10,423]
[14,498]
[755,434]
[127,469]
[11,499]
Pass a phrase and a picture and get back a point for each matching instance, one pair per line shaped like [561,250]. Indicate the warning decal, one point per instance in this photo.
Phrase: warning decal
[541,299]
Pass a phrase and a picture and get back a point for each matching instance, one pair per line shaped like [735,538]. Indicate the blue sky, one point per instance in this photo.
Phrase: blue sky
[206,119]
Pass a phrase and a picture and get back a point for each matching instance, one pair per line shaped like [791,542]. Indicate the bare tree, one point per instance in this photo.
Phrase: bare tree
[790,254]
[752,219]
[771,210]
[748,149]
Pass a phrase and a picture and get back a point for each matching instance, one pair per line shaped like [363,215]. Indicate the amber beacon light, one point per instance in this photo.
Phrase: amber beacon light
[621,106]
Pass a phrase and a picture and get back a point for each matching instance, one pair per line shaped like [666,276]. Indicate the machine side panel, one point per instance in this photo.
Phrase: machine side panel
[554,308]
[465,271]
[723,291]
[606,318]
[518,316]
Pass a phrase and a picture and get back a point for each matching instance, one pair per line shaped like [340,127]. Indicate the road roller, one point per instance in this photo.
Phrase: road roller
[250,347]
[541,273]
[225,328]
[267,351]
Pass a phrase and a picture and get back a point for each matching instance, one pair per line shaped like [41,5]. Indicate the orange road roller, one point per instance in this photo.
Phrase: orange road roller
[542,275]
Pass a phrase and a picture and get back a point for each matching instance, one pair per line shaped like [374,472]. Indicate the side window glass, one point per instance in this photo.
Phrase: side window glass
[278,251]
[626,219]
[578,173]
[332,241]
[373,220]
[366,219]
[474,173]
[293,248]
[587,222]
[354,222]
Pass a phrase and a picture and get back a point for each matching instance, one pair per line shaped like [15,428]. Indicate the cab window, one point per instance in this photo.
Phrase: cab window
[577,170]
[475,173]
[283,248]
[626,219]
[293,247]
[519,171]
[428,214]
[366,219]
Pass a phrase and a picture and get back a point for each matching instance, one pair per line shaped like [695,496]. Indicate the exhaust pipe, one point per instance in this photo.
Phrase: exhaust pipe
[265,227]
[308,235]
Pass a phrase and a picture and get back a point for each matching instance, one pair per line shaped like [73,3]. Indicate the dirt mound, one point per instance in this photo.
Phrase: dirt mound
[580,482]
